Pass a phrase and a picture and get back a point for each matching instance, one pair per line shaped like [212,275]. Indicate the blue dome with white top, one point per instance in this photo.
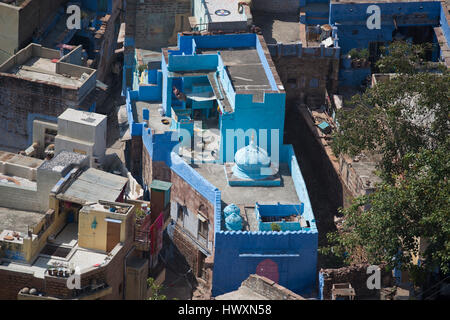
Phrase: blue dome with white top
[250,162]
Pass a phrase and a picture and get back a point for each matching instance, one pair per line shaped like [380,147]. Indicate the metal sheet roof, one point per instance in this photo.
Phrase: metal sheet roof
[94,185]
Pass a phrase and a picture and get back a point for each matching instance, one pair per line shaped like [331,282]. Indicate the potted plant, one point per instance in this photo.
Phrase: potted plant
[275,227]
[359,57]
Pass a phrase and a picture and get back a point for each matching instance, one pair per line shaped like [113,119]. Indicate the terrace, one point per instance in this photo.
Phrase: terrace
[288,217]
[36,63]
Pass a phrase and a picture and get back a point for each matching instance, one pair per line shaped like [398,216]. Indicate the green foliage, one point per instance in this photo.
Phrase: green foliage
[359,54]
[155,290]
[402,57]
[406,121]
[416,206]
[142,68]
[275,227]
[396,117]
[140,214]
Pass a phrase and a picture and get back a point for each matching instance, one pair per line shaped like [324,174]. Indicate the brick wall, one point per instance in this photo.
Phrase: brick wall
[34,15]
[297,73]
[186,248]
[155,23]
[106,40]
[20,99]
[12,282]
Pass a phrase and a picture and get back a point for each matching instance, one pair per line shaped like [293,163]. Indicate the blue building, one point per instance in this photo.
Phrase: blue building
[340,26]
[211,121]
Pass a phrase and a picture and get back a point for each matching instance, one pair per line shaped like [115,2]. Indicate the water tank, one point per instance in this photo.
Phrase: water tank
[233,222]
[232,208]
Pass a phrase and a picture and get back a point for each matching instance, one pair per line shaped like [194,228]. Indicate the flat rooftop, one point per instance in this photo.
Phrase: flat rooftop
[86,118]
[224,11]
[80,257]
[155,118]
[245,69]
[248,196]
[63,160]
[43,69]
[278,27]
[146,57]
[37,63]
[16,220]
[17,159]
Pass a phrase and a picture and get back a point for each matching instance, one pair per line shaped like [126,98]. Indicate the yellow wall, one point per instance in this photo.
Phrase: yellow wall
[96,238]
[32,248]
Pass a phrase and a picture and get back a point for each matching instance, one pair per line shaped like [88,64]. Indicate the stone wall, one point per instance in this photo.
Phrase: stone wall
[357,276]
[106,40]
[306,78]
[269,288]
[277,6]
[21,99]
[155,23]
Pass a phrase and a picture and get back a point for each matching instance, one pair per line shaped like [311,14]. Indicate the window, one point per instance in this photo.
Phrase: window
[202,227]
[180,213]
[314,83]
[292,83]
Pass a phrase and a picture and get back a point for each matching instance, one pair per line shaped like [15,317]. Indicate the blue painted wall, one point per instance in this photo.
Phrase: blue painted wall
[351,19]
[237,255]
[295,252]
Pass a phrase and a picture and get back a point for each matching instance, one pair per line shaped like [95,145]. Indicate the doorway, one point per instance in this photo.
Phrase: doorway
[112,235]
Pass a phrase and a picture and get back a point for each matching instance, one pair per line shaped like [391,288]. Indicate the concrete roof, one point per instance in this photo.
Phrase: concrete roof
[20,160]
[42,69]
[94,185]
[245,69]
[155,117]
[248,196]
[278,27]
[86,118]
[232,6]
[17,220]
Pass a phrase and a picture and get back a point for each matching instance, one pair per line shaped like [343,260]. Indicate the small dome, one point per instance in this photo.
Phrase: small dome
[252,157]
[233,222]
[251,162]
[232,208]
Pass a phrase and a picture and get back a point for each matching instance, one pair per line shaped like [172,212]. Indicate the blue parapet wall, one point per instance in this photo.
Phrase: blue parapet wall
[351,20]
[238,254]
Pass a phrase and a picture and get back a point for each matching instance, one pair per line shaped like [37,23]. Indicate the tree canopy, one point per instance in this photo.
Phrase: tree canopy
[406,120]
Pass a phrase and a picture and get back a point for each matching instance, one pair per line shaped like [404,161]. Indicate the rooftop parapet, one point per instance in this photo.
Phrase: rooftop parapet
[38,64]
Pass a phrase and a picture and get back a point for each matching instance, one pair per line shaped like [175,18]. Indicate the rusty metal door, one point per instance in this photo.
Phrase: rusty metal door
[112,235]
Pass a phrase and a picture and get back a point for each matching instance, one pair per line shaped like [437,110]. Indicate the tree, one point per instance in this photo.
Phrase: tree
[155,290]
[406,121]
[404,58]
[415,207]
[396,117]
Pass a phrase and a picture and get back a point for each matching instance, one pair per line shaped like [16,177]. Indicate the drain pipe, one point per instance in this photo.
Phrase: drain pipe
[124,288]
